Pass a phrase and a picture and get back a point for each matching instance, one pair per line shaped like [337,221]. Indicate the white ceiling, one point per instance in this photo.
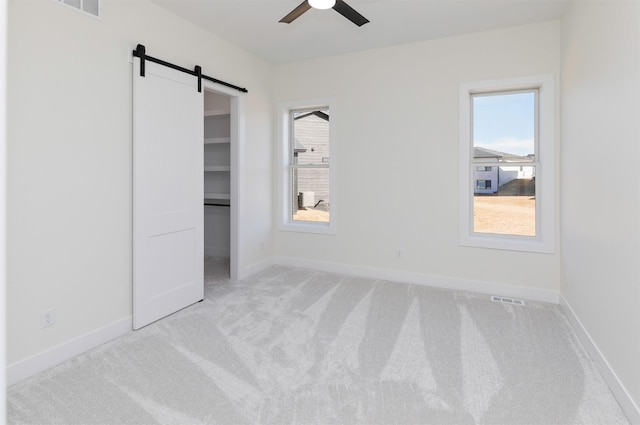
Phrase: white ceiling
[253,24]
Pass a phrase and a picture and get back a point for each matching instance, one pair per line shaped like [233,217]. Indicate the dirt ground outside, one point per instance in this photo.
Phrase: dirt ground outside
[505,215]
[311,215]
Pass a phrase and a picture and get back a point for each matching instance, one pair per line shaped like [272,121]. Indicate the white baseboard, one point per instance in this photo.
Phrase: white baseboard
[490,288]
[255,268]
[30,366]
[37,363]
[618,389]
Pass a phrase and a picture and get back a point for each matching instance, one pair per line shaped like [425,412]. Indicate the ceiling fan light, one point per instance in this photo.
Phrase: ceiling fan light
[322,4]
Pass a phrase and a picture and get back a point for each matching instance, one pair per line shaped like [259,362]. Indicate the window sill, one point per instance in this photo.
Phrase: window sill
[308,227]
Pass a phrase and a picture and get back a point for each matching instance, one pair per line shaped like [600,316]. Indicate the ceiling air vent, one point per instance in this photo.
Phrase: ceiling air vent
[506,300]
[91,7]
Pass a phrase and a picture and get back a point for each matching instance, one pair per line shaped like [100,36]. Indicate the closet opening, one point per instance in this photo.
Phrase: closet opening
[219,196]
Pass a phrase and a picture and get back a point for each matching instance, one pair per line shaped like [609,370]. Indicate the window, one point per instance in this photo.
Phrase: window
[307,188]
[483,184]
[509,205]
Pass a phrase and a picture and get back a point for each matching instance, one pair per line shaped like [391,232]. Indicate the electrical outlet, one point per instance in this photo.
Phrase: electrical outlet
[398,253]
[47,318]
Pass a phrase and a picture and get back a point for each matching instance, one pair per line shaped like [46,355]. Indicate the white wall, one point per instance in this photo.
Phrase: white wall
[69,154]
[600,194]
[3,209]
[397,133]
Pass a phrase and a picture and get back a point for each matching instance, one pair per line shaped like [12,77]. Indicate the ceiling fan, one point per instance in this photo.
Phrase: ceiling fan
[338,5]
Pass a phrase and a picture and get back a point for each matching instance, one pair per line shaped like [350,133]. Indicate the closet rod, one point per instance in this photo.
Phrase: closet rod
[216,205]
[140,52]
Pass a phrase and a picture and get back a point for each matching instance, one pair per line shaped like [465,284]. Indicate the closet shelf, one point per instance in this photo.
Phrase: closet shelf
[217,196]
[217,140]
[212,112]
[217,168]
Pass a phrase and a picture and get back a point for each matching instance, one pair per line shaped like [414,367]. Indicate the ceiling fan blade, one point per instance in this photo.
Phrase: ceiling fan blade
[295,13]
[350,13]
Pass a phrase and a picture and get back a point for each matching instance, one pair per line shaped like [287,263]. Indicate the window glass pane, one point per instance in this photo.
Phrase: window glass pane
[483,184]
[506,203]
[504,126]
[91,6]
[310,194]
[310,146]
[311,136]
[73,3]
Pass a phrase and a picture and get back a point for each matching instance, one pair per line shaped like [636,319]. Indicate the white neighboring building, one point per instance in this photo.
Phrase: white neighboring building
[489,178]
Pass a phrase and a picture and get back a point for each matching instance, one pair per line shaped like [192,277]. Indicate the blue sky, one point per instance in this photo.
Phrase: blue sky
[505,122]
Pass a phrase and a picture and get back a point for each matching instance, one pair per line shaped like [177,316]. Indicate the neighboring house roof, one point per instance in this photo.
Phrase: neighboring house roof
[489,153]
[318,114]
[485,153]
[298,147]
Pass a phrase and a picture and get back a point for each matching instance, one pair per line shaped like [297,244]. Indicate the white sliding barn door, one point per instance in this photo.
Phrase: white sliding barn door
[168,228]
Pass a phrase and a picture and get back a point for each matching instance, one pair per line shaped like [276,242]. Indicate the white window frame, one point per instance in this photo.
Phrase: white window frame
[545,239]
[285,126]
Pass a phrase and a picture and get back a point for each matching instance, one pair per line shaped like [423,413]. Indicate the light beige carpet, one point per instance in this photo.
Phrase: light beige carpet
[291,346]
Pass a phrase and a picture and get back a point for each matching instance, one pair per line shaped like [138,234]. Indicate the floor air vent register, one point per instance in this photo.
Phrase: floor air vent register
[506,300]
